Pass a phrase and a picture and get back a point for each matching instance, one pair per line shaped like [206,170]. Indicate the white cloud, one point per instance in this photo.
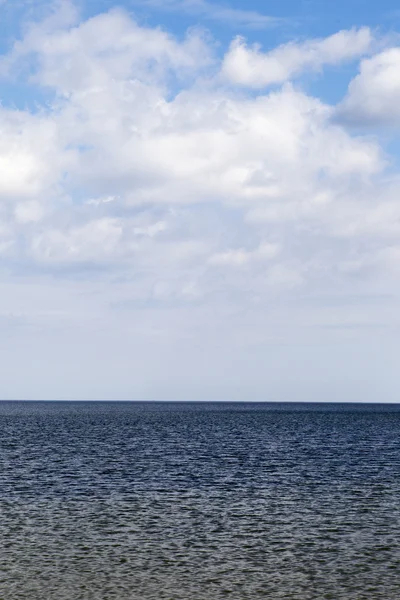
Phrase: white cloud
[145,202]
[112,134]
[29,152]
[255,69]
[240,257]
[96,241]
[108,47]
[374,94]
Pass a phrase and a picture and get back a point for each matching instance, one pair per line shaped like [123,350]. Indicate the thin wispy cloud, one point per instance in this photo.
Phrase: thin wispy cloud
[214,12]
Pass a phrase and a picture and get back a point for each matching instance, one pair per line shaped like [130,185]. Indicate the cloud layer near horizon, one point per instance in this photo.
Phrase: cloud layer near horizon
[177,206]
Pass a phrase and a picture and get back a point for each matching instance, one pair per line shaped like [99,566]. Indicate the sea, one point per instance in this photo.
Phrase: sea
[199,501]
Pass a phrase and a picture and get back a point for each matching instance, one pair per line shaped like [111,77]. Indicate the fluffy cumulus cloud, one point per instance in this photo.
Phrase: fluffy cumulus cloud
[151,206]
[374,94]
[252,67]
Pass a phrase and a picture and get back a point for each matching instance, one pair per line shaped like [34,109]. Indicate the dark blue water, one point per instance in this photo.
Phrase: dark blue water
[199,501]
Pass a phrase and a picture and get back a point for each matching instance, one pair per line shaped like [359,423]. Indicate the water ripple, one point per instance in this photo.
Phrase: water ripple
[129,501]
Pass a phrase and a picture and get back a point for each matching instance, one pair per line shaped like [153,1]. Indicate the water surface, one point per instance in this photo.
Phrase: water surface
[137,501]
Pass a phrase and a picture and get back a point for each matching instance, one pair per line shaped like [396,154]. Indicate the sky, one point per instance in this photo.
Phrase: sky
[200,200]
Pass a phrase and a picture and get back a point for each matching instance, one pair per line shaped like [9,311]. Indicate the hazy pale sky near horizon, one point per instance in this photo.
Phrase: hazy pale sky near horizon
[200,200]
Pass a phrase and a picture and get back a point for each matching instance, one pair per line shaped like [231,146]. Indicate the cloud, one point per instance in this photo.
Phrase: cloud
[374,94]
[152,215]
[255,69]
[214,12]
[241,256]
[109,47]
[115,168]
[28,167]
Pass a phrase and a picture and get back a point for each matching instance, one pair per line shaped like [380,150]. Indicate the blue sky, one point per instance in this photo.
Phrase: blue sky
[199,201]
